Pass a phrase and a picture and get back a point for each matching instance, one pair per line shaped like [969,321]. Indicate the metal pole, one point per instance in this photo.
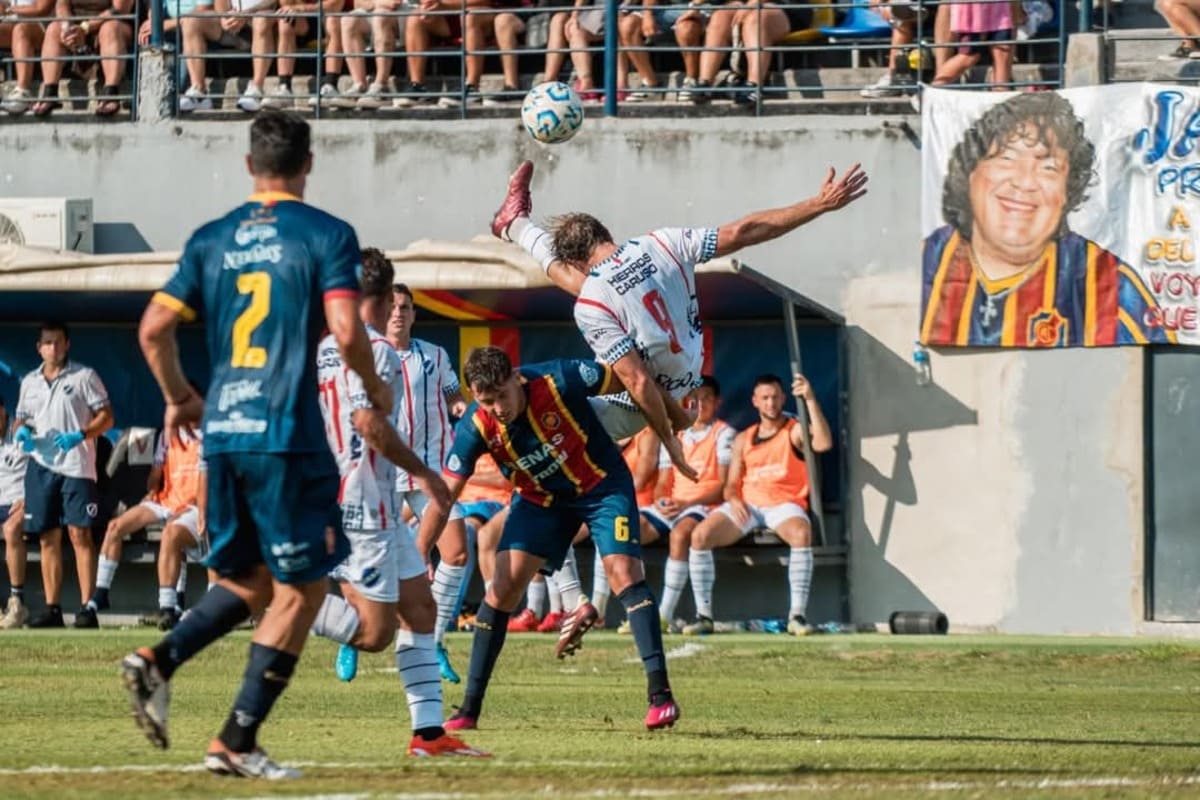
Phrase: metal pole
[1085,16]
[814,480]
[156,24]
[611,39]
[320,59]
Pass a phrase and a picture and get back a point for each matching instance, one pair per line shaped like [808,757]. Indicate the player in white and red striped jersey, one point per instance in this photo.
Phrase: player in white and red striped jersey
[427,394]
[637,305]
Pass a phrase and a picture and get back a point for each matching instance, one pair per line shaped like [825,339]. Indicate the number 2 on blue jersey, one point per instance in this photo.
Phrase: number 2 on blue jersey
[258,286]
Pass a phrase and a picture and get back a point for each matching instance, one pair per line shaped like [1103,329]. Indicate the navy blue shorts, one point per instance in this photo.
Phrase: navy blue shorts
[610,512]
[278,509]
[53,500]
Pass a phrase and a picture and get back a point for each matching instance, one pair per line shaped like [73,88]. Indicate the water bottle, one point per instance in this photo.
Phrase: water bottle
[835,627]
[922,365]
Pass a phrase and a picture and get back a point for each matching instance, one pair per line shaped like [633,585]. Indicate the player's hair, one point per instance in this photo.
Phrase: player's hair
[710,382]
[487,368]
[54,325]
[280,142]
[574,237]
[377,273]
[1042,117]
[402,288]
[768,378]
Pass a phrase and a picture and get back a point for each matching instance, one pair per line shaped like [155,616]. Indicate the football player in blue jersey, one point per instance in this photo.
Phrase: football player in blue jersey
[266,278]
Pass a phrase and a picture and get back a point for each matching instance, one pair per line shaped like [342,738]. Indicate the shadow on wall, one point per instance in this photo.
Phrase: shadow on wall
[886,401]
[118,237]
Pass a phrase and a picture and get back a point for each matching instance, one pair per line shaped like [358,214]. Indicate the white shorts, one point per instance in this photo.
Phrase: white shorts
[619,420]
[417,501]
[767,516]
[189,520]
[378,561]
[160,511]
[664,525]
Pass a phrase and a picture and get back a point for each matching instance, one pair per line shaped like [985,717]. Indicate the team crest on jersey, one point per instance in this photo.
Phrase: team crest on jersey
[1047,328]
[454,463]
[589,374]
[68,389]
[551,421]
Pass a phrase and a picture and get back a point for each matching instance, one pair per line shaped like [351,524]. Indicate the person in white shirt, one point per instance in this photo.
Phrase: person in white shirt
[637,304]
[12,515]
[62,410]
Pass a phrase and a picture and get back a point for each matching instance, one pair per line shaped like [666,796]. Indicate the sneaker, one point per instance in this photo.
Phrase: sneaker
[220,760]
[470,97]
[624,629]
[86,618]
[15,614]
[251,100]
[373,98]
[525,622]
[505,96]
[18,101]
[664,715]
[592,95]
[417,95]
[443,659]
[444,745]
[574,626]
[798,626]
[749,96]
[551,623]
[346,664]
[642,95]
[326,95]
[149,694]
[703,626]
[687,91]
[1181,52]
[884,87]
[517,203]
[168,618]
[461,722]
[279,97]
[50,617]
[194,100]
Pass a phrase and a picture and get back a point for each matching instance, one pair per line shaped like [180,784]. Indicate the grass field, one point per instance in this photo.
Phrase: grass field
[763,716]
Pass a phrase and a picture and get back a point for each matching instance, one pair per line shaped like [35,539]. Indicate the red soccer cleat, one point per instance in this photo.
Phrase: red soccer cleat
[574,626]
[444,745]
[517,202]
[461,722]
[552,622]
[664,715]
[525,622]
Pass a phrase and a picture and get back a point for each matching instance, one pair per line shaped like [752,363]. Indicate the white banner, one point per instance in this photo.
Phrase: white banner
[1061,219]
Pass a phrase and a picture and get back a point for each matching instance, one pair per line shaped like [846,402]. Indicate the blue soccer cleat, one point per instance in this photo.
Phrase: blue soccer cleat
[448,673]
[346,665]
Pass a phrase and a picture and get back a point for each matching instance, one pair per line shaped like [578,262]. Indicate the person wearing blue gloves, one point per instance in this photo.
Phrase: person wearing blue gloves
[62,408]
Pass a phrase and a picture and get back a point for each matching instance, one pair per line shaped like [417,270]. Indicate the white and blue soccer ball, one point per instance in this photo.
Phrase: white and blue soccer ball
[552,112]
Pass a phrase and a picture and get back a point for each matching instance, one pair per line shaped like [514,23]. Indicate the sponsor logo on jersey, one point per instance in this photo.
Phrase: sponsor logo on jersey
[250,233]
[589,374]
[238,392]
[258,254]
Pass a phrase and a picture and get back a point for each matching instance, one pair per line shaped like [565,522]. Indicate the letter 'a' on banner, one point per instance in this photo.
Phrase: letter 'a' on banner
[1061,219]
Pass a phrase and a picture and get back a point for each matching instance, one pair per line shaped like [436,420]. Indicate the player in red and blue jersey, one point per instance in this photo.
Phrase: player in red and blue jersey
[267,278]
[539,427]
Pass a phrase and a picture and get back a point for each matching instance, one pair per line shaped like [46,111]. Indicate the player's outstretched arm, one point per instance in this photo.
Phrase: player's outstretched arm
[763,226]
[341,315]
[156,335]
[631,371]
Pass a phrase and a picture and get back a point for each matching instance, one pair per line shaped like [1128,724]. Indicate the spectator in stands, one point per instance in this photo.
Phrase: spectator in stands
[767,487]
[63,408]
[279,34]
[13,460]
[763,26]
[440,23]
[173,487]
[718,36]
[579,30]
[197,24]
[335,56]
[25,40]
[1184,18]
[638,29]
[974,26]
[899,78]
[84,28]
[372,20]
[501,22]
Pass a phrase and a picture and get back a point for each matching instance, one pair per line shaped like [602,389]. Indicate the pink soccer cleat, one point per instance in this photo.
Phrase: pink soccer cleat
[664,715]
[461,722]
[517,202]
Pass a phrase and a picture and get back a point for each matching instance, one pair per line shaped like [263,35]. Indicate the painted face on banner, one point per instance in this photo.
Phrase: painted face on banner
[1018,193]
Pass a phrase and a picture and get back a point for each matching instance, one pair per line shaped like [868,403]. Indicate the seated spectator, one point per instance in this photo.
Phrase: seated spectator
[173,487]
[25,41]
[1184,18]
[422,31]
[502,23]
[334,59]
[275,36]
[764,26]
[639,28]
[718,37]
[767,487]
[372,21]
[579,30]
[12,514]
[898,78]
[86,27]
[196,24]
[974,26]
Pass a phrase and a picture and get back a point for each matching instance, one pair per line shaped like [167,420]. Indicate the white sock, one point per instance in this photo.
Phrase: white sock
[533,240]
[167,597]
[675,578]
[567,578]
[105,572]
[418,668]
[535,598]
[600,589]
[800,566]
[704,573]
[336,620]
[446,581]
[555,598]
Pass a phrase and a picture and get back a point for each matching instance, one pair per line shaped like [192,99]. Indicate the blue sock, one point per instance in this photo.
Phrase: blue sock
[491,626]
[642,611]
[214,616]
[267,675]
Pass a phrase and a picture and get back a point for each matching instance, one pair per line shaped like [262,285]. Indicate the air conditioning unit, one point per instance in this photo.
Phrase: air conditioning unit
[52,223]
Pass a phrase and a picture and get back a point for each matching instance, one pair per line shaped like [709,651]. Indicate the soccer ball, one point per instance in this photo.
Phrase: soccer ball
[552,112]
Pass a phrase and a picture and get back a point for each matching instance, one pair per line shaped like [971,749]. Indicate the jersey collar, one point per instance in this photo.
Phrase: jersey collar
[268,198]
